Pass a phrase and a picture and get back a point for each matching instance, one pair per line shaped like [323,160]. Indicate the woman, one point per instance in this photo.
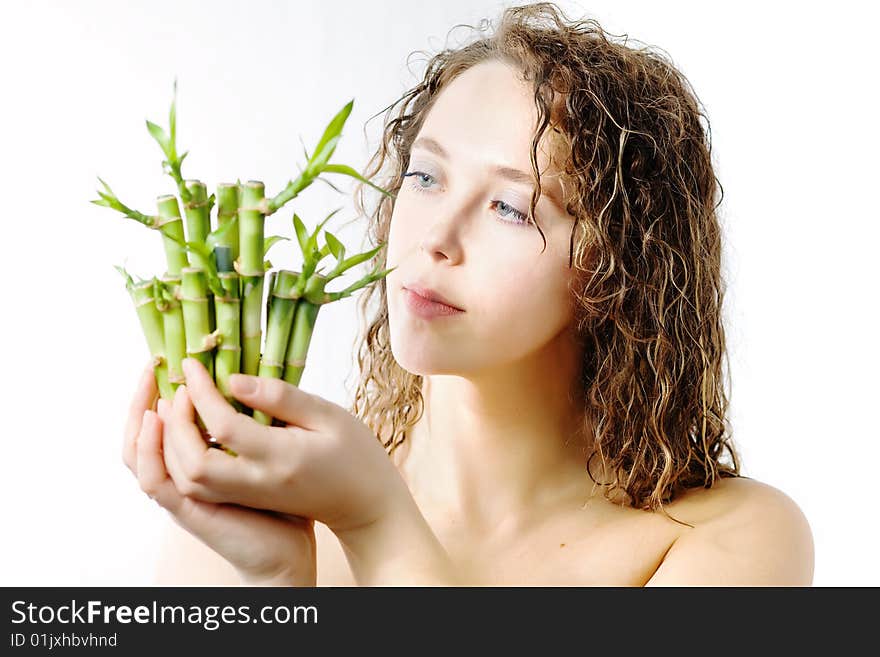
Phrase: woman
[559,418]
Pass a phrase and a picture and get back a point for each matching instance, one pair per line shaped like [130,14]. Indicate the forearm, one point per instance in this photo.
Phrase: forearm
[399,549]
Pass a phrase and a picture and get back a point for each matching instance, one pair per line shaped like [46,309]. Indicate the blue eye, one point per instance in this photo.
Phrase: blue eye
[502,208]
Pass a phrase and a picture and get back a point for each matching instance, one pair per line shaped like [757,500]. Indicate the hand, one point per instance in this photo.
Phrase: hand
[264,547]
[325,464]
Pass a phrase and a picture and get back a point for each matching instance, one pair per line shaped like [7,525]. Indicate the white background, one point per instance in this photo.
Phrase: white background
[791,96]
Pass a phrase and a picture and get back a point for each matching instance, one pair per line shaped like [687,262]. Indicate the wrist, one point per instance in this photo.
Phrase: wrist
[397,549]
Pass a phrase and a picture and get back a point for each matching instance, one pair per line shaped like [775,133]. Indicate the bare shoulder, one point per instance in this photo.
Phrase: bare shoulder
[746,533]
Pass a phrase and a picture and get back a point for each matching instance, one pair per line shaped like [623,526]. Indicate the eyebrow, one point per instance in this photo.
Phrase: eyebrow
[509,173]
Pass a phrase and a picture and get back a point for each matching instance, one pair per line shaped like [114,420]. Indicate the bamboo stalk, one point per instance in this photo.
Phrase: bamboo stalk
[200,341]
[304,320]
[154,331]
[227,212]
[170,224]
[279,323]
[198,218]
[251,225]
[227,360]
[198,226]
[168,304]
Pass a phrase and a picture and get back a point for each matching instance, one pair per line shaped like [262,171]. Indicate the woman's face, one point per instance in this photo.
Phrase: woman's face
[458,228]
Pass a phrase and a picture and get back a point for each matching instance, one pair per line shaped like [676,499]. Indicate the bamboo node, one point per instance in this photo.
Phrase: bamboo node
[299,362]
[225,346]
[158,361]
[161,221]
[173,377]
[270,363]
[210,341]
[262,208]
[293,296]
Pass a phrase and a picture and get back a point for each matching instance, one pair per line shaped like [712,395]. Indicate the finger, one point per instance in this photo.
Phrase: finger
[227,426]
[163,406]
[143,400]
[152,476]
[282,400]
[199,471]
[182,483]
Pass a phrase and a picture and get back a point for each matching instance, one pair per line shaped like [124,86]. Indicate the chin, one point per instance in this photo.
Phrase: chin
[420,358]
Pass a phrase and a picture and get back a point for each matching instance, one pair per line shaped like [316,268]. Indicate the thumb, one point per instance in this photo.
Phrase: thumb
[282,400]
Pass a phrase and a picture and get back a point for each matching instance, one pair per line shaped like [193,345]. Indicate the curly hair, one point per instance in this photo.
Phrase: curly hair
[646,247]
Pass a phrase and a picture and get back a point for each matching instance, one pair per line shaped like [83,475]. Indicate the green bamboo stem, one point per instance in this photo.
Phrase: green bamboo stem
[227,211]
[251,226]
[198,218]
[170,224]
[227,360]
[198,226]
[154,332]
[283,301]
[200,341]
[303,327]
[172,323]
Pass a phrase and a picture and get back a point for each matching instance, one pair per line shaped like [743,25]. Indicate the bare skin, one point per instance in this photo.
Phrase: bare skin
[496,464]
[599,544]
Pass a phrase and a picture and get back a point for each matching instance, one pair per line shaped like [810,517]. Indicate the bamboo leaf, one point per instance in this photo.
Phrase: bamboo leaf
[312,244]
[332,132]
[358,259]
[270,241]
[211,201]
[129,283]
[331,185]
[214,283]
[302,143]
[366,280]
[207,254]
[348,171]
[172,116]
[302,234]
[218,236]
[159,135]
[199,248]
[109,200]
[322,156]
[336,247]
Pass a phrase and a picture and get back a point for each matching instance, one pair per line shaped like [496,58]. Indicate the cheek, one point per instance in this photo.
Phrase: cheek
[525,309]
[403,236]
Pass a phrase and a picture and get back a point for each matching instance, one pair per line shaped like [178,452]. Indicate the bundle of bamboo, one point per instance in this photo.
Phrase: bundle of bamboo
[208,304]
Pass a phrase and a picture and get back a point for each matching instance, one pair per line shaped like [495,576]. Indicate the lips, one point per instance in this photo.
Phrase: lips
[431,295]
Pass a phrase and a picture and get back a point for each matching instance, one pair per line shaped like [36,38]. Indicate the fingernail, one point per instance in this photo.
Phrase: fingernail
[242,384]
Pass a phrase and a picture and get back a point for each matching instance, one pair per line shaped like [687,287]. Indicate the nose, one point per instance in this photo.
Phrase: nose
[442,241]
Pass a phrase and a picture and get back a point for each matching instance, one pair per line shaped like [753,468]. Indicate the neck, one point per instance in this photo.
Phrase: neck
[494,446]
